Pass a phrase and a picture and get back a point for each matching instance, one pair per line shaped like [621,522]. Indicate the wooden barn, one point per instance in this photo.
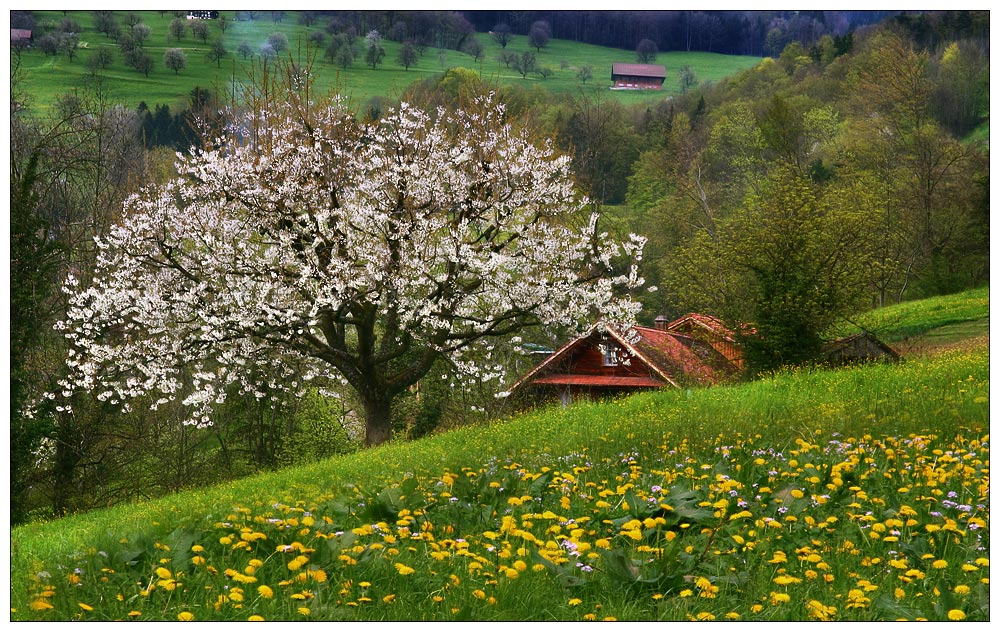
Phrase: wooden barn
[708,329]
[638,76]
[862,347]
[20,37]
[605,361]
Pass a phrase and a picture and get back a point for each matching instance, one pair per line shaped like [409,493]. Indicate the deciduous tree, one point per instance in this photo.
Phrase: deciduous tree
[540,34]
[174,59]
[502,34]
[374,51]
[407,54]
[177,28]
[789,263]
[318,246]
[645,51]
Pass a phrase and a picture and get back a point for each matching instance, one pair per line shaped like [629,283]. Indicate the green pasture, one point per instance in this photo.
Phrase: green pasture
[855,494]
[949,317]
[48,77]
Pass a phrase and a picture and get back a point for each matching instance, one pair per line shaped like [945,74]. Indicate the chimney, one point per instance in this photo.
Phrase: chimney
[661,322]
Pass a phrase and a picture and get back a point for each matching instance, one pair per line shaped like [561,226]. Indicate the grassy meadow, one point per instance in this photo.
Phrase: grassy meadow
[48,77]
[930,322]
[855,494]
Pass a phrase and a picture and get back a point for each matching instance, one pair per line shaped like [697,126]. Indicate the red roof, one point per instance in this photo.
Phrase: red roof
[704,321]
[639,70]
[655,358]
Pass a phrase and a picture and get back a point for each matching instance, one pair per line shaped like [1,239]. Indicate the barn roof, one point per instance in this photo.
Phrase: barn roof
[703,321]
[19,34]
[860,346]
[639,70]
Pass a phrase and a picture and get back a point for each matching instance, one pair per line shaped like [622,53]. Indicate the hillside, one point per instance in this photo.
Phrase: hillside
[835,495]
[916,328]
[47,77]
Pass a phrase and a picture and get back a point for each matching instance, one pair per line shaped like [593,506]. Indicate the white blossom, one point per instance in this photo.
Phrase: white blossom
[289,251]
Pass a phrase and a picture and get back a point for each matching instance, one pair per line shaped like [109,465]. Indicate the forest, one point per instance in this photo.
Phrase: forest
[847,170]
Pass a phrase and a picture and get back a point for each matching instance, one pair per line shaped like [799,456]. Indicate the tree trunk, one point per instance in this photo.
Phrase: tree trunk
[378,419]
[67,456]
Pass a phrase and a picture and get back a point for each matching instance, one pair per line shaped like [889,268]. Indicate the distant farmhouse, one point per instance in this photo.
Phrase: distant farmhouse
[638,76]
[20,38]
[202,15]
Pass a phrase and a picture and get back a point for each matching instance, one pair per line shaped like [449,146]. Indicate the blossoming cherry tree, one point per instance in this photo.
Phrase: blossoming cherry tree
[302,243]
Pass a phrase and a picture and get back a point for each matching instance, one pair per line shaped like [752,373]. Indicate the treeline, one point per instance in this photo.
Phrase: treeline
[833,177]
[756,33]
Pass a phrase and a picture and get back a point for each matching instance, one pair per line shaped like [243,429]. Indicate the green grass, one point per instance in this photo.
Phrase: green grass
[962,314]
[853,494]
[980,135]
[46,78]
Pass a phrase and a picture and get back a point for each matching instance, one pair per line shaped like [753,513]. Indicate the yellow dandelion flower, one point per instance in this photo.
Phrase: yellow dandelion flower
[403,569]
[939,564]
[705,616]
[969,568]
[732,616]
[479,594]
[265,591]
[318,575]
[856,599]
[956,615]
[575,602]
[780,598]
[185,616]
[818,610]
[134,613]
[590,616]
[255,617]
[756,608]
[389,598]
[41,604]
[961,589]
[304,611]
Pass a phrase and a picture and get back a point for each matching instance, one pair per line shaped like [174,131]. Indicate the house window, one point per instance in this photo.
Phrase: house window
[610,354]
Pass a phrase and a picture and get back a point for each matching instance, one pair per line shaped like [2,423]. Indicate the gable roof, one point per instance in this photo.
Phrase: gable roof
[672,359]
[860,346]
[639,70]
[704,322]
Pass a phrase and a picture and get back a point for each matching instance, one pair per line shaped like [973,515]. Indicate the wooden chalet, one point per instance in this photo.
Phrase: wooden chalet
[638,76]
[862,347]
[607,361]
[708,329]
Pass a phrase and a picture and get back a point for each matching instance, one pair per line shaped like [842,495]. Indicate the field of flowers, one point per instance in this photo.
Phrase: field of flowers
[851,495]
